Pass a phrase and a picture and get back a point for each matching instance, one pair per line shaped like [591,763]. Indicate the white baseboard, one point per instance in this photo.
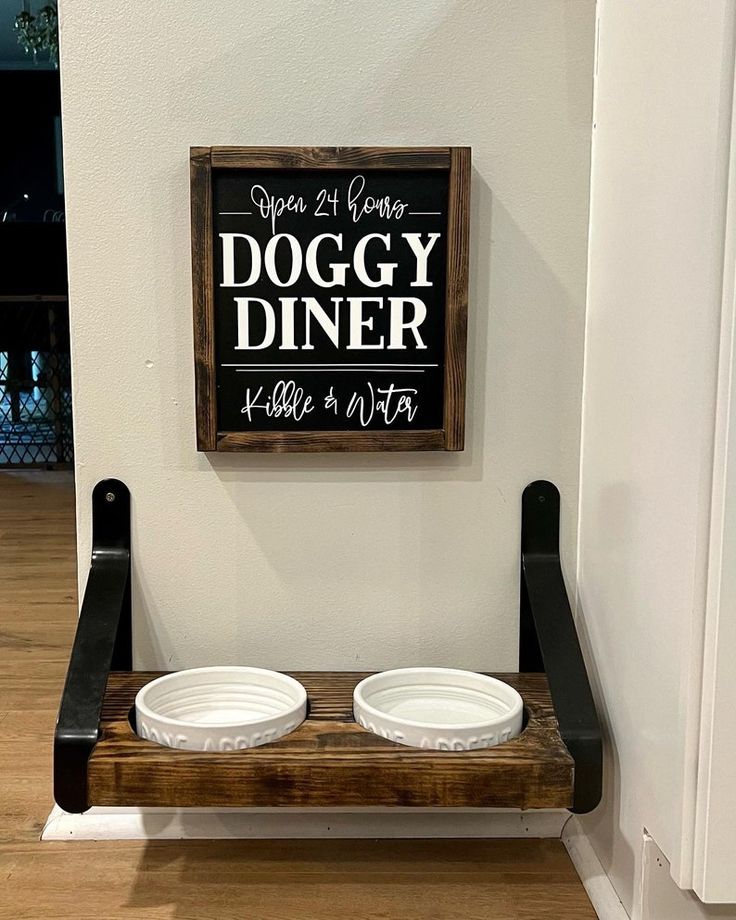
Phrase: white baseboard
[597,884]
[214,823]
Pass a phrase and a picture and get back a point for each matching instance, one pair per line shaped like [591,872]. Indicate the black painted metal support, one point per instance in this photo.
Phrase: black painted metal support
[549,641]
[102,643]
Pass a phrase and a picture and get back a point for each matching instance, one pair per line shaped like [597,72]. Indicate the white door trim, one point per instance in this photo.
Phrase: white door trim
[709,801]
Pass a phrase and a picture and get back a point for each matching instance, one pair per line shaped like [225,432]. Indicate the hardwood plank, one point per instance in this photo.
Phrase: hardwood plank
[45,636]
[299,880]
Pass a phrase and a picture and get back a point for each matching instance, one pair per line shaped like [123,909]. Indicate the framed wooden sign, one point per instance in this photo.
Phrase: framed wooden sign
[330,297]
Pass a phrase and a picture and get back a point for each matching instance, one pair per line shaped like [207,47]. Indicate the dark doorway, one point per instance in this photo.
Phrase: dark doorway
[35,371]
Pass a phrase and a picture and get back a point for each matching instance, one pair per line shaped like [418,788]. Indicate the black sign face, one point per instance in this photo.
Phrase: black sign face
[329,299]
[328,305]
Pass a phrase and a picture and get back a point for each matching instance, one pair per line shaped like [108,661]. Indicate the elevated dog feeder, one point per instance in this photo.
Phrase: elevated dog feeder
[329,760]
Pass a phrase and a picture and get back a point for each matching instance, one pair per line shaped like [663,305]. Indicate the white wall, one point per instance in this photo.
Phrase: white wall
[658,191]
[325,561]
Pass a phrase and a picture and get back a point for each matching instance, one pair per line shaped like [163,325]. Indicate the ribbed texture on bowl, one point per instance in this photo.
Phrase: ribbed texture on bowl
[220,708]
[440,709]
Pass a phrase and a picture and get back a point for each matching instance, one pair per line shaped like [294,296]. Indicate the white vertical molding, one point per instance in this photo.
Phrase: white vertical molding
[699,668]
[710,807]
[661,163]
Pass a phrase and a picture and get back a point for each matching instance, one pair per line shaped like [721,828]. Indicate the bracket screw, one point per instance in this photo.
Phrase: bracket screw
[541,498]
[109,496]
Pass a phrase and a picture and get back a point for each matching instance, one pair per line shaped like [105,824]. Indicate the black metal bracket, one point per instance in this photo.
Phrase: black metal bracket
[548,640]
[102,643]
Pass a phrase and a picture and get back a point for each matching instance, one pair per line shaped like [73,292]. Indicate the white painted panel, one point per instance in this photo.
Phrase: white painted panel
[662,123]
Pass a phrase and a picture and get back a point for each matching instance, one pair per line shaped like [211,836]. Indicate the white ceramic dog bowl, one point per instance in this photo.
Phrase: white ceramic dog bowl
[440,709]
[219,709]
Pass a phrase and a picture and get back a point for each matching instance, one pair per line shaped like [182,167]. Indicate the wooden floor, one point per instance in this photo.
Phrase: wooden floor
[203,880]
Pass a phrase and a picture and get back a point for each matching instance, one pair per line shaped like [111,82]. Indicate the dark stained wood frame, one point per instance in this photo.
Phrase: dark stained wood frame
[455,160]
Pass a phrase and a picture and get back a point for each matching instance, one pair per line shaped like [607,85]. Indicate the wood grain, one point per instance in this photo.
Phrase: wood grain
[456,298]
[330,157]
[331,761]
[294,880]
[38,616]
[203,298]
[313,441]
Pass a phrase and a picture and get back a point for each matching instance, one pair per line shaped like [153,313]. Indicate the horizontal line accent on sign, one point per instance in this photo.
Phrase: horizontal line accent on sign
[425,213]
[222,213]
[347,364]
[327,370]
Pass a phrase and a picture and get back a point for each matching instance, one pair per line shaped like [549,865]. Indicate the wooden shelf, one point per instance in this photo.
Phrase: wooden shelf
[330,761]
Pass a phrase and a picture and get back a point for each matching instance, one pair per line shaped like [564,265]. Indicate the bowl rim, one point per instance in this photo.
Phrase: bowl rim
[142,708]
[511,696]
